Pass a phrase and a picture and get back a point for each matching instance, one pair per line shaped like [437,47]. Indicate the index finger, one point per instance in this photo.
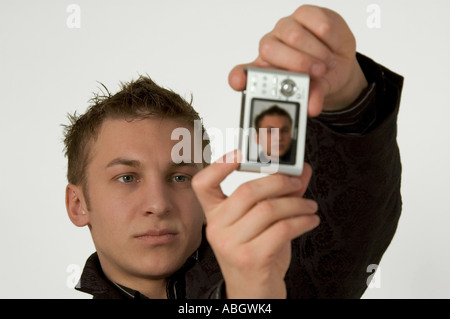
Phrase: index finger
[206,183]
[237,78]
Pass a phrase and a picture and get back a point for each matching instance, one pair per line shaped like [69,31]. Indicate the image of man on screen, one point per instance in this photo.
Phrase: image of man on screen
[274,136]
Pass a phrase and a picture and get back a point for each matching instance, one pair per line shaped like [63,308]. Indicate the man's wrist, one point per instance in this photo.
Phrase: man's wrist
[352,90]
[363,114]
[356,119]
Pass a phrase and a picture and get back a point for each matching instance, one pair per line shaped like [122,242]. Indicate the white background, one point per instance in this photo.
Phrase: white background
[48,69]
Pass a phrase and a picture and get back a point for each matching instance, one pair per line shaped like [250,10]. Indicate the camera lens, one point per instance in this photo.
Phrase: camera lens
[288,87]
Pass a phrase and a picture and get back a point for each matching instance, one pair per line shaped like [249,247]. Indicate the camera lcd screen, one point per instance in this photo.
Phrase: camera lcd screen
[273,134]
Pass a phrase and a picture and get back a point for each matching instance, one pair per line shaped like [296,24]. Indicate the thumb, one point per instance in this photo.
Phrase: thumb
[206,183]
[305,178]
[238,78]
[315,99]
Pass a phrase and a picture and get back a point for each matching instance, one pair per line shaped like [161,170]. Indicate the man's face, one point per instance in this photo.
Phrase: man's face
[281,141]
[144,217]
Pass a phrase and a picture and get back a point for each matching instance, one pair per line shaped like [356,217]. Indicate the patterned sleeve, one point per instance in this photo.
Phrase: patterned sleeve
[356,182]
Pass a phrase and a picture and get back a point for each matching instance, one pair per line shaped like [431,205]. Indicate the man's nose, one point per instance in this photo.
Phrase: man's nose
[156,198]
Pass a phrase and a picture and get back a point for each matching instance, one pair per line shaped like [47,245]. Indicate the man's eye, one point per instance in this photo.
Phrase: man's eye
[180,178]
[127,179]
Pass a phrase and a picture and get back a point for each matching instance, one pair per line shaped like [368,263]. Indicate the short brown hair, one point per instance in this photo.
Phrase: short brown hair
[273,110]
[137,99]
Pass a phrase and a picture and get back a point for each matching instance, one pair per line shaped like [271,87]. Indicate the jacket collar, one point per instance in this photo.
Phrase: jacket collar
[94,281]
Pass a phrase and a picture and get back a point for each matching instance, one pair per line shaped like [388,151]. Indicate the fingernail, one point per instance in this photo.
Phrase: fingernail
[230,156]
[233,157]
[312,204]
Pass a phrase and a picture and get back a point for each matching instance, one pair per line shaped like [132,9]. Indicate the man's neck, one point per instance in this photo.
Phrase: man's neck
[153,288]
[150,288]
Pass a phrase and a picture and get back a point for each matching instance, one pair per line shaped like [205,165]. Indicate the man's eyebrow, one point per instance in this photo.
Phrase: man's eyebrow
[183,164]
[125,162]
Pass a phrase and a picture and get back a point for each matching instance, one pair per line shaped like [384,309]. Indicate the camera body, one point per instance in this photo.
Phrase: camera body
[273,121]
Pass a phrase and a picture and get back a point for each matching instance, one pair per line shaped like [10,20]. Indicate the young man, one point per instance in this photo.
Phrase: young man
[144,218]
[147,224]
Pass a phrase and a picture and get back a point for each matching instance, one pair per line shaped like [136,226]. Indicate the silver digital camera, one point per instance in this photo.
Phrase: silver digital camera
[273,121]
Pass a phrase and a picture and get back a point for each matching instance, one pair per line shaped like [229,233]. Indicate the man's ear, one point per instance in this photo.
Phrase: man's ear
[76,206]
